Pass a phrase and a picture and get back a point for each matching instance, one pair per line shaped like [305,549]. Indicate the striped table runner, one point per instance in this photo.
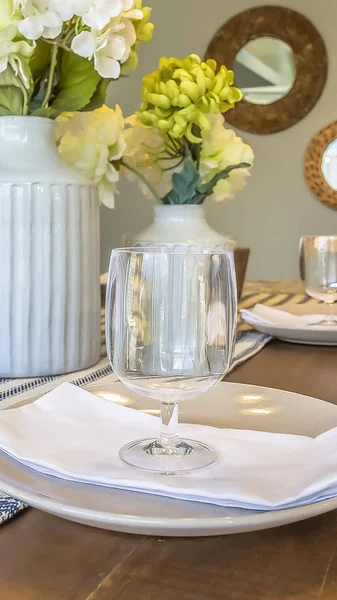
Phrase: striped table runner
[14,392]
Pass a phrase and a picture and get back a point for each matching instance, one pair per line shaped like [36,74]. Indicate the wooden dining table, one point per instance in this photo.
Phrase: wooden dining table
[43,557]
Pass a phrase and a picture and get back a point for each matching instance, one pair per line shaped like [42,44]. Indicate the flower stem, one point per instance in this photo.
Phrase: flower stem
[67,38]
[53,64]
[143,179]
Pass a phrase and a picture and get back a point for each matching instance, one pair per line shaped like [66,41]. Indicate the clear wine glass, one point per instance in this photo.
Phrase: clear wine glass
[318,267]
[170,329]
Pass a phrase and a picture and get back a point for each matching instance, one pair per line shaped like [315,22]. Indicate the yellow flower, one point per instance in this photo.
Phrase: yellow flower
[221,148]
[182,94]
[146,151]
[92,142]
[143,27]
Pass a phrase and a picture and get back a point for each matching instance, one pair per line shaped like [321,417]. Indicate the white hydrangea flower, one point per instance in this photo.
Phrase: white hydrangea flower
[43,18]
[13,53]
[7,10]
[98,14]
[109,48]
[65,10]
[129,10]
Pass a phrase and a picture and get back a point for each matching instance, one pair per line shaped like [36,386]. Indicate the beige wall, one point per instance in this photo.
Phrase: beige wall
[276,208]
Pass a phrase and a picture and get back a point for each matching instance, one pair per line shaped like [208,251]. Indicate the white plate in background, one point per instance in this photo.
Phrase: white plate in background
[316,336]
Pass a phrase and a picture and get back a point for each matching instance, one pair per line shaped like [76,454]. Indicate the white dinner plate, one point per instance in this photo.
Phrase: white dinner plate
[315,336]
[226,405]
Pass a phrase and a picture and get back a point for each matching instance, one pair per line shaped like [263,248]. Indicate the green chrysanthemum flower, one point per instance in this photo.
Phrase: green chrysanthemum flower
[181,95]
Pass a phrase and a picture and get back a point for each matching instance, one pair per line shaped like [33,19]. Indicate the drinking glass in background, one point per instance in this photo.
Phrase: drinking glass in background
[318,267]
[170,328]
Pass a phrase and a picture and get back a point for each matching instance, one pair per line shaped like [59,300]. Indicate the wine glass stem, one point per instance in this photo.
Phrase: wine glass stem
[169,424]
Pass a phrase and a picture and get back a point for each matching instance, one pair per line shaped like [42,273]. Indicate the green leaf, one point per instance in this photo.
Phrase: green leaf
[184,185]
[12,101]
[40,59]
[37,98]
[48,113]
[99,96]
[13,95]
[77,82]
[206,189]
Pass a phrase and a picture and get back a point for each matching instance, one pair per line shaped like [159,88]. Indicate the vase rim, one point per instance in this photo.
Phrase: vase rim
[25,118]
[194,206]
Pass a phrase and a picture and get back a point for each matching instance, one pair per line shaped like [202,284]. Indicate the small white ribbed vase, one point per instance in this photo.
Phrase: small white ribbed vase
[49,249]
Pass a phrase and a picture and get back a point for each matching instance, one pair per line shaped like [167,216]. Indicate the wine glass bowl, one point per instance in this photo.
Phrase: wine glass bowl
[318,268]
[170,329]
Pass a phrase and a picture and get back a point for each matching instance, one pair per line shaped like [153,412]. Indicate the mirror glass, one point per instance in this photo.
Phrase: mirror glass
[265,70]
[329,165]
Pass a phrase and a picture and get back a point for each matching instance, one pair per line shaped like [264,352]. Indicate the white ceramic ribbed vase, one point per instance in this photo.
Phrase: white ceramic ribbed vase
[49,256]
[180,225]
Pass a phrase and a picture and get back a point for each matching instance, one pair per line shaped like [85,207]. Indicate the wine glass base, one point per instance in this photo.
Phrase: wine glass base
[151,455]
[326,322]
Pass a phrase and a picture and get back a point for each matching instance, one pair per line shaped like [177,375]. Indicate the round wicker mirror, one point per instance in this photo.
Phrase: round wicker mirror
[281,62]
[320,165]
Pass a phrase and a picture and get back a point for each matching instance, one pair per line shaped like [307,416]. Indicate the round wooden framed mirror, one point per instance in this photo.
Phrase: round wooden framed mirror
[320,165]
[280,62]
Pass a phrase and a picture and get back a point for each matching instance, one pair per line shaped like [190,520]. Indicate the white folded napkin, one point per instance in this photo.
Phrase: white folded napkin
[266,315]
[74,435]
